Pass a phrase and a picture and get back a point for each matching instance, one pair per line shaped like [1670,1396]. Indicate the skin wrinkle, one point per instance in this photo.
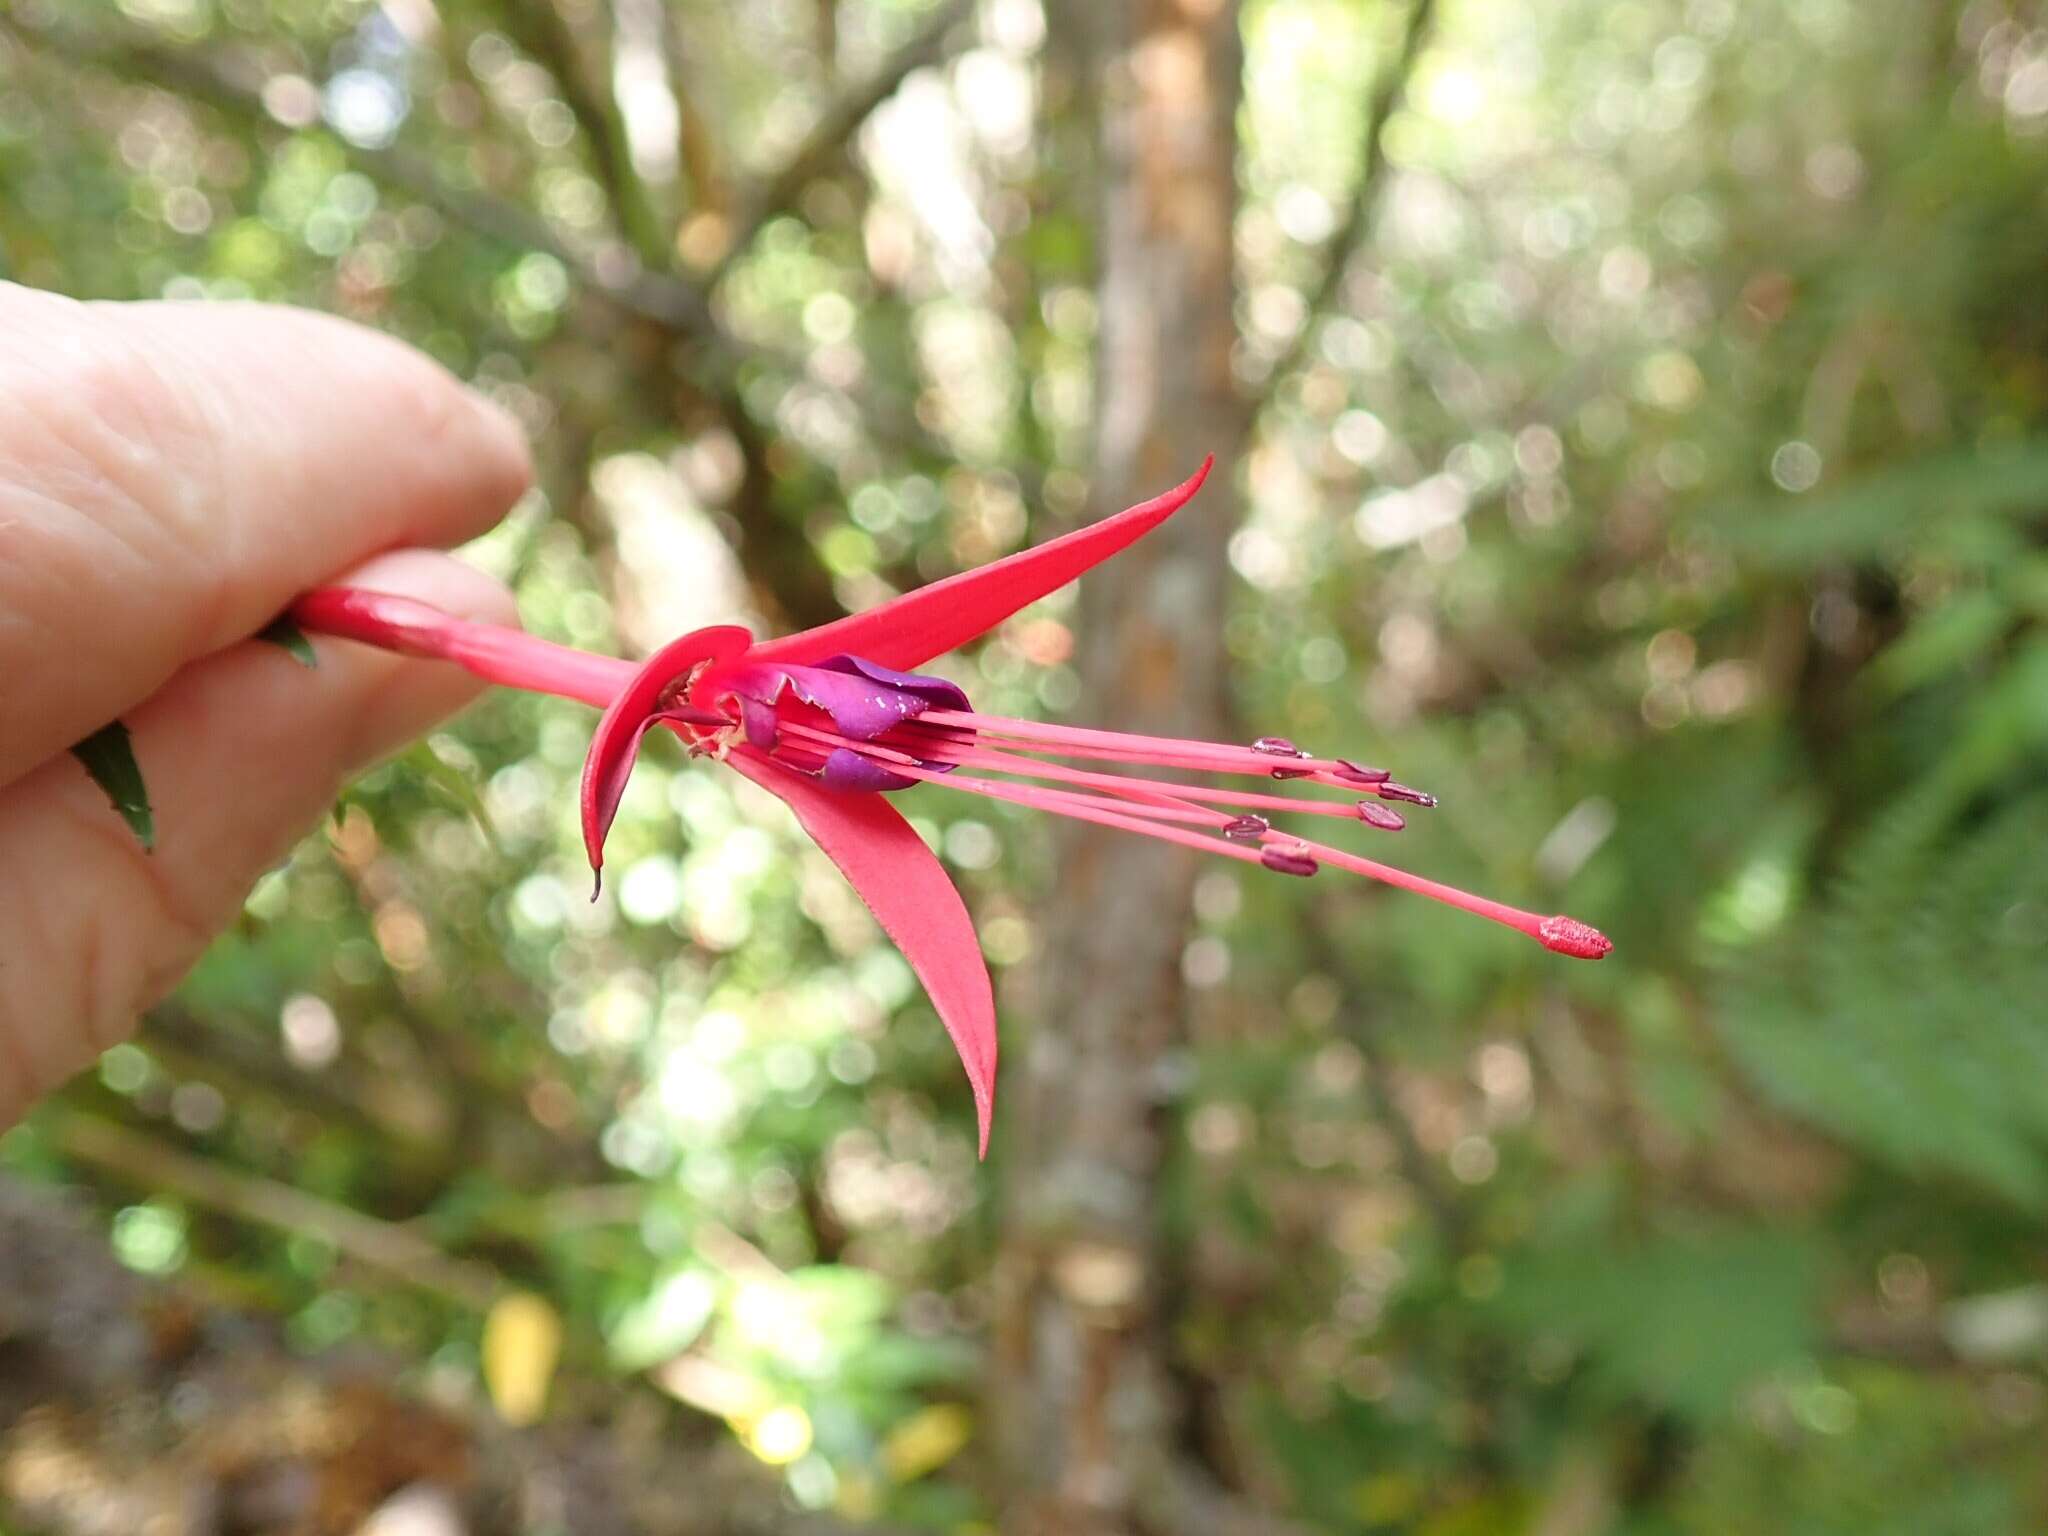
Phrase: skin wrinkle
[111,1017]
[209,429]
[184,506]
[94,521]
[215,542]
[233,534]
[70,553]
[430,414]
[127,436]
[427,413]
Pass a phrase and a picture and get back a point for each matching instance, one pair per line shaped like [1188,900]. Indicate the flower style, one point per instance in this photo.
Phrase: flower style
[832,718]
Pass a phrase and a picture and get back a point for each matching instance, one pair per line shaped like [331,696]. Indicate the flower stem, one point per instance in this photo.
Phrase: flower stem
[491,651]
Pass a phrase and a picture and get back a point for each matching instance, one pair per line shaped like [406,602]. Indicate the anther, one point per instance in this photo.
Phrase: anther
[1294,773]
[1568,936]
[1380,816]
[1358,773]
[1247,829]
[1287,863]
[1393,791]
[1277,746]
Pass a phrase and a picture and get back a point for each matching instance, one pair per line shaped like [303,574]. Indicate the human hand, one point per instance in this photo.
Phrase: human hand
[170,477]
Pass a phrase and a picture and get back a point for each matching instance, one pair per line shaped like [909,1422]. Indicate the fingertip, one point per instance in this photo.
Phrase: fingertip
[339,398]
[503,459]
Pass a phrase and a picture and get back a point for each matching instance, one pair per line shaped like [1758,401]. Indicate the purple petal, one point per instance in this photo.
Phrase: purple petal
[849,770]
[859,706]
[862,699]
[757,716]
[933,690]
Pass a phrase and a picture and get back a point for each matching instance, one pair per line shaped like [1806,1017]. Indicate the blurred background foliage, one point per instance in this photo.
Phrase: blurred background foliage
[1646,449]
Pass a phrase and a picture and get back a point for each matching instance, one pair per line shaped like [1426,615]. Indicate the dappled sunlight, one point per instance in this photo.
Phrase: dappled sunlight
[1648,459]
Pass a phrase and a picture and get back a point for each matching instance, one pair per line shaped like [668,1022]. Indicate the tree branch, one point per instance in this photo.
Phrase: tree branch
[667,300]
[540,28]
[695,147]
[190,1047]
[378,1245]
[1389,91]
[830,135]
[671,303]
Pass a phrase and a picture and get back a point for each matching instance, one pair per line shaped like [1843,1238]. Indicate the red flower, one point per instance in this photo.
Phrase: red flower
[830,718]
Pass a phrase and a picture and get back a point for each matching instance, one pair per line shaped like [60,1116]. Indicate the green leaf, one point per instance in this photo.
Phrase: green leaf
[664,1322]
[109,757]
[1906,1017]
[1943,640]
[452,784]
[283,632]
[2005,725]
[1686,1320]
[1959,502]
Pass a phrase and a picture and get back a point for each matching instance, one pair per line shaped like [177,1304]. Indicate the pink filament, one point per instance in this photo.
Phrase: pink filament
[1147,805]
[950,750]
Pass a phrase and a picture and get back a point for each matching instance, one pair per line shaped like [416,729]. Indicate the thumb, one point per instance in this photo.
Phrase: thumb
[242,752]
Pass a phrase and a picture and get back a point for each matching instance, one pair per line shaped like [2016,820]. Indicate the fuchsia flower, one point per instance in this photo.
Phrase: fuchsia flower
[832,718]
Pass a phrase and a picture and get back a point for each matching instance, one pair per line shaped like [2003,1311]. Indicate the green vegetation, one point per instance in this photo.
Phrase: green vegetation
[1662,484]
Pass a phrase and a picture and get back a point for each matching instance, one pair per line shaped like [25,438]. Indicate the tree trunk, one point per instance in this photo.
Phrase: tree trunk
[1082,1402]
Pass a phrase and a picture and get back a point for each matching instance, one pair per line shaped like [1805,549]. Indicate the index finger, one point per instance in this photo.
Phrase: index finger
[171,475]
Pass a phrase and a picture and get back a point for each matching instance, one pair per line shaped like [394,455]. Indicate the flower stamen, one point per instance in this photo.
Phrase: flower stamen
[937,746]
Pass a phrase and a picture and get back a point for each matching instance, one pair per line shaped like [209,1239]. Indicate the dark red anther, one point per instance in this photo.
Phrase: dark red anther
[1294,773]
[1393,791]
[1288,863]
[1380,816]
[1358,773]
[1247,829]
[1277,746]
